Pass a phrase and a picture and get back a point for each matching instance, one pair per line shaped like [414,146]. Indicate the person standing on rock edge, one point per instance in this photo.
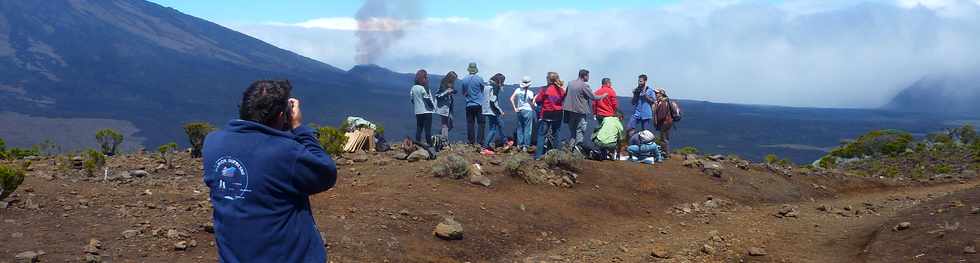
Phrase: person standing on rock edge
[492,112]
[523,102]
[423,105]
[551,98]
[664,119]
[472,86]
[444,103]
[261,170]
[578,104]
[643,99]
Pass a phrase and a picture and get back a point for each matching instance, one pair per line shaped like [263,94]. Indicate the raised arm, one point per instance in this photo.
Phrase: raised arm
[314,171]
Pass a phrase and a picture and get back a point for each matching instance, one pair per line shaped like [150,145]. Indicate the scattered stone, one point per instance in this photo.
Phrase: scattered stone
[449,229]
[4,205]
[173,234]
[28,257]
[660,251]
[970,250]
[130,233]
[93,246]
[180,173]
[902,226]
[17,235]
[360,158]
[692,163]
[138,173]
[788,211]
[757,252]
[418,155]
[480,180]
[708,249]
[712,168]
[92,258]
[717,157]
[180,245]
[824,208]
[208,227]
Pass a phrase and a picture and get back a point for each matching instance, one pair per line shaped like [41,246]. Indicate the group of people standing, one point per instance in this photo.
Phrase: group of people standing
[554,104]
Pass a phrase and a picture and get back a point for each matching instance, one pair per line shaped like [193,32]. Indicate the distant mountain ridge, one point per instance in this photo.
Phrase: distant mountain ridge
[944,94]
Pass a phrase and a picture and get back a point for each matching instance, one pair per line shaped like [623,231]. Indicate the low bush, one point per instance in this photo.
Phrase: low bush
[332,140]
[93,163]
[196,132]
[166,152]
[940,137]
[517,164]
[10,179]
[688,150]
[109,140]
[451,165]
[566,159]
[875,143]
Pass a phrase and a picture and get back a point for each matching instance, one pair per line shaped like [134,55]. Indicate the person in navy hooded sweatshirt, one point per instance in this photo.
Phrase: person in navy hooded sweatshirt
[261,170]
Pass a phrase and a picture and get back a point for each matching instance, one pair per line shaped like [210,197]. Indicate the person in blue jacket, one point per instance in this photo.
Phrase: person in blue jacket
[261,170]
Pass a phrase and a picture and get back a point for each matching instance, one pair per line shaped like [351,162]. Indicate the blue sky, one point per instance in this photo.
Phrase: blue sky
[292,11]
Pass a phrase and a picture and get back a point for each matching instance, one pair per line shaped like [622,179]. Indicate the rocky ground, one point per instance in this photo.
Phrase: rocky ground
[703,209]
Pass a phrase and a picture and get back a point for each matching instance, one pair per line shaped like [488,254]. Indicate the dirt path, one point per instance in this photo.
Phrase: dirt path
[385,210]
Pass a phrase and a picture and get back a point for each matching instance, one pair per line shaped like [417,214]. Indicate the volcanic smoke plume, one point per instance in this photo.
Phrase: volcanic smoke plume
[381,23]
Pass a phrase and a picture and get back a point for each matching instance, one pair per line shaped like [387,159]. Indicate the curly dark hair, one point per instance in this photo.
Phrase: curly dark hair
[264,100]
[451,77]
[422,78]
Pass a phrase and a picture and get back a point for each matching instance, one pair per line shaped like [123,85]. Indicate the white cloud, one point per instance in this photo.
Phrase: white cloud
[831,53]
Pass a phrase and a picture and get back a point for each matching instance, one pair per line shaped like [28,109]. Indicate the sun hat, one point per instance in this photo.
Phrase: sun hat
[472,68]
[526,82]
[661,91]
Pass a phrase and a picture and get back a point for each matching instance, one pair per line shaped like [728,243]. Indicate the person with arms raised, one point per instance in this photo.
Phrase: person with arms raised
[261,170]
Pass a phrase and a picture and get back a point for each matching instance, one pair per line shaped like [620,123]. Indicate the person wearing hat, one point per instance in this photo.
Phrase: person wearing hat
[472,87]
[664,119]
[523,102]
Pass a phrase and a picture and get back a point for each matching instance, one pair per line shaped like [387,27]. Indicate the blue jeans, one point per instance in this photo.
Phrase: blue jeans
[640,124]
[493,123]
[525,122]
[645,150]
[547,131]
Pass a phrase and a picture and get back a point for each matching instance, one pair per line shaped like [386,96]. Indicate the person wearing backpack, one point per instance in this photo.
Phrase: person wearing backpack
[643,148]
[667,112]
[423,105]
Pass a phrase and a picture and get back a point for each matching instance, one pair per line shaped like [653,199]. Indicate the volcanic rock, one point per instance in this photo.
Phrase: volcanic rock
[449,229]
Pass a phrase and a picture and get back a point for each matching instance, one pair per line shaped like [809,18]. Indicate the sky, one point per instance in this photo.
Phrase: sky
[812,53]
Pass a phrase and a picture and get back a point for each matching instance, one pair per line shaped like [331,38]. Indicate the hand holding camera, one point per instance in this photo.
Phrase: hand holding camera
[296,116]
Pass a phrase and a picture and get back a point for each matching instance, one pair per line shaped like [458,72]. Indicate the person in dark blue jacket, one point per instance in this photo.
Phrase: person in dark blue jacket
[261,170]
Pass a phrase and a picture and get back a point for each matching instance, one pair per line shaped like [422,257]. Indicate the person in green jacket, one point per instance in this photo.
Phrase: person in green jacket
[609,134]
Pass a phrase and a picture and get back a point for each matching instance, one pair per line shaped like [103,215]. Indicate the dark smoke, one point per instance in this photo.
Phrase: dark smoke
[381,23]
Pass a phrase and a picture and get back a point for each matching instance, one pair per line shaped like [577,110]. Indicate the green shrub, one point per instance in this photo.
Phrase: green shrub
[3,149]
[942,169]
[827,162]
[10,179]
[516,164]
[875,143]
[452,166]
[109,140]
[771,159]
[566,159]
[196,131]
[94,161]
[976,151]
[940,137]
[332,140]
[166,152]
[20,153]
[966,134]
[687,150]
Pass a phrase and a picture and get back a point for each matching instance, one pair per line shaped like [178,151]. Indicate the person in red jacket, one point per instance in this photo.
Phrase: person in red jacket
[551,98]
[608,106]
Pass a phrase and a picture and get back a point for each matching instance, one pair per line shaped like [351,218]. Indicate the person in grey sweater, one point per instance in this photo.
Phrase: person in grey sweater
[578,105]
[423,107]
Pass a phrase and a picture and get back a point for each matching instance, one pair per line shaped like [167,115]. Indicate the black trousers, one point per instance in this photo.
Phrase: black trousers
[423,124]
[474,115]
